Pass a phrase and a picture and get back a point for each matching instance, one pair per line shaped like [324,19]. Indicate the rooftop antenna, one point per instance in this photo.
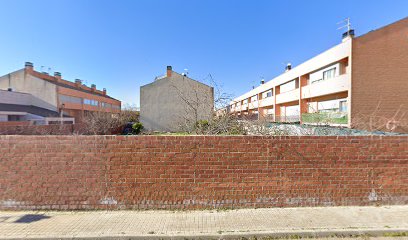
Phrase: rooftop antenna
[350,32]
[347,24]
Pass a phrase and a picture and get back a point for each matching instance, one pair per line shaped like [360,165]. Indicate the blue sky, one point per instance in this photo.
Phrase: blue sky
[121,45]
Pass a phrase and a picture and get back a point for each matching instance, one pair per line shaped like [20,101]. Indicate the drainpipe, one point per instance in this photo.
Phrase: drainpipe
[62,113]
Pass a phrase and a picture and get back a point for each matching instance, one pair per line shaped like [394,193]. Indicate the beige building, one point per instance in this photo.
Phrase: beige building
[174,101]
[19,109]
[361,82]
[73,99]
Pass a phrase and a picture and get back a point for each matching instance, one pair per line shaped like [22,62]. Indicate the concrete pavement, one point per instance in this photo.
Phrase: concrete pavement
[212,224]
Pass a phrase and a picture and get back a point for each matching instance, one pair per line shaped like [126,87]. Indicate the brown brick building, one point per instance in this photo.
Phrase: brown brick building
[360,83]
[71,98]
[379,78]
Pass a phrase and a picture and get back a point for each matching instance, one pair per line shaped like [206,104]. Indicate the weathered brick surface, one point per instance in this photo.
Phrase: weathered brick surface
[379,98]
[174,172]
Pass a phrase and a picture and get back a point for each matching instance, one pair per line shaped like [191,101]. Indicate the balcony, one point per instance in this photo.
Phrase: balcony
[266,102]
[253,105]
[289,96]
[244,107]
[334,85]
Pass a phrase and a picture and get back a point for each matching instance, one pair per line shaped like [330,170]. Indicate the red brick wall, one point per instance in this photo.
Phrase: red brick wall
[173,172]
[379,94]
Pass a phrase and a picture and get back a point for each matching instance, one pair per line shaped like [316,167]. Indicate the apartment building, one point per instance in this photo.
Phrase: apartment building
[19,109]
[67,98]
[173,101]
[361,83]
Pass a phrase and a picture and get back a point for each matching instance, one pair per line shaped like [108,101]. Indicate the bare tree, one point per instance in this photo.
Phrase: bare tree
[196,100]
[221,98]
[103,123]
[197,104]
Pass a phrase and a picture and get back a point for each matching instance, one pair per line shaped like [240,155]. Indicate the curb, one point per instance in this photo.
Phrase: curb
[245,235]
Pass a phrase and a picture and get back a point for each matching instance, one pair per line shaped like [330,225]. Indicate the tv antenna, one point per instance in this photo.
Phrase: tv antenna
[347,24]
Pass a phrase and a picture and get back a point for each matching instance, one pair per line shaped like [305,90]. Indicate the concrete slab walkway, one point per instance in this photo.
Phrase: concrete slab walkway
[213,224]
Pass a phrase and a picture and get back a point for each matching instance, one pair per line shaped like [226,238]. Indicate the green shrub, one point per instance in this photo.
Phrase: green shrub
[137,127]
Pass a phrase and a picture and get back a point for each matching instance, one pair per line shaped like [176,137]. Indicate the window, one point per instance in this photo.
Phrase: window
[13,118]
[106,105]
[289,86]
[91,102]
[292,110]
[245,101]
[116,107]
[324,74]
[329,73]
[329,106]
[343,106]
[254,98]
[267,94]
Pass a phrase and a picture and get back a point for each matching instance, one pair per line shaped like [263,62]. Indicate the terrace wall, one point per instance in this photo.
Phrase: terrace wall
[186,172]
[54,129]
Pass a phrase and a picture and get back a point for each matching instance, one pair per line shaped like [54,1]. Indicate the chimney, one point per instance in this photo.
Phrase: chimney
[104,91]
[29,66]
[348,35]
[288,67]
[57,75]
[93,86]
[78,82]
[169,71]
[262,81]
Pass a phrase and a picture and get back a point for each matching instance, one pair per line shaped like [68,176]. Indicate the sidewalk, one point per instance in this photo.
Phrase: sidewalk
[232,224]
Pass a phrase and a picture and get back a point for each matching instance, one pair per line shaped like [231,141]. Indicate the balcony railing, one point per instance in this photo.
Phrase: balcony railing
[326,87]
[289,96]
[253,105]
[266,102]
[325,118]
